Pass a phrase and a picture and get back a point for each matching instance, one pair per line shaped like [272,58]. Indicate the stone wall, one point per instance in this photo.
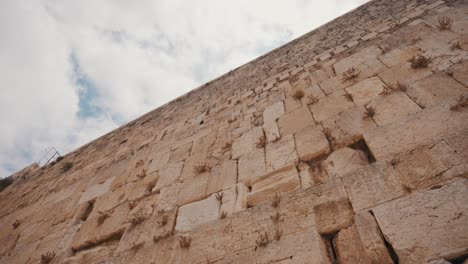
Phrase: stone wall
[346,145]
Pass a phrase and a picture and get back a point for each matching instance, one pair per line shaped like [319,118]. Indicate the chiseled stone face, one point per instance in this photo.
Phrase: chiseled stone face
[194,214]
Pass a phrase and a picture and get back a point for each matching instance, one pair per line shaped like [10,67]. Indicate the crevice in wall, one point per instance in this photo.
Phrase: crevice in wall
[88,210]
[388,245]
[330,247]
[115,237]
[459,260]
[362,145]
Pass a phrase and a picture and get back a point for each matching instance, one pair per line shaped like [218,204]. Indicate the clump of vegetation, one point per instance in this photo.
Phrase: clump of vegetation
[348,97]
[67,166]
[462,102]
[261,143]
[132,204]
[399,86]
[312,99]
[455,45]
[156,239]
[5,182]
[275,202]
[184,241]
[102,217]
[445,23]
[16,224]
[200,168]
[142,174]
[370,112]
[276,218]
[163,220]
[350,74]
[222,215]
[419,61]
[137,218]
[262,239]
[47,257]
[328,134]
[227,146]
[298,94]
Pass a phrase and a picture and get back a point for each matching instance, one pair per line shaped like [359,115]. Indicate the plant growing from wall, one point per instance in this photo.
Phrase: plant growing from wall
[67,166]
[200,168]
[47,257]
[445,23]
[350,74]
[262,240]
[184,241]
[419,61]
[298,94]
[16,224]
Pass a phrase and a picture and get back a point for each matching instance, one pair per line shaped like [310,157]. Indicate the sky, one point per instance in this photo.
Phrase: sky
[72,71]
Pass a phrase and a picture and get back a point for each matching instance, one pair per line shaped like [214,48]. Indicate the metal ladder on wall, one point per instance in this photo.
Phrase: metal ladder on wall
[49,156]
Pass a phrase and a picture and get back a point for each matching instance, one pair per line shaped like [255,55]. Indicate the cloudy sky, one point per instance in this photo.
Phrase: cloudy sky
[74,70]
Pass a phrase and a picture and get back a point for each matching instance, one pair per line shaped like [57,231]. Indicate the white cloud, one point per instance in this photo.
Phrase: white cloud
[137,56]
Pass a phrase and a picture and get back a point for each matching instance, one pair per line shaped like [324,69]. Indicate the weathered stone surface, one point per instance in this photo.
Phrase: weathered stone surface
[387,141]
[270,117]
[193,189]
[364,185]
[281,180]
[180,153]
[295,121]
[169,175]
[364,91]
[194,214]
[348,126]
[426,225]
[332,216]
[251,166]
[398,56]
[343,161]
[241,199]
[357,58]
[158,161]
[433,89]
[393,107]
[329,106]
[459,142]
[94,255]
[280,153]
[311,143]
[460,72]
[95,190]
[222,176]
[246,143]
[424,168]
[228,201]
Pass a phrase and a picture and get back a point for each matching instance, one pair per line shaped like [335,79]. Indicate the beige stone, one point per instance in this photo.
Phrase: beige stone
[295,121]
[364,185]
[393,107]
[194,214]
[343,161]
[329,106]
[180,153]
[251,166]
[335,84]
[193,189]
[364,91]
[228,204]
[169,175]
[428,224]
[158,161]
[95,190]
[281,180]
[247,142]
[241,199]
[222,176]
[424,168]
[332,216]
[311,143]
[270,116]
[167,198]
[459,142]
[280,153]
[403,73]
[387,141]
[348,126]
[433,89]
[460,72]
[397,56]
[357,58]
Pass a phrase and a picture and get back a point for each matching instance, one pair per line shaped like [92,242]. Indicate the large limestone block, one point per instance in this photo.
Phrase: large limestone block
[343,161]
[222,176]
[180,153]
[251,166]
[247,142]
[364,185]
[272,132]
[348,126]
[329,106]
[393,107]
[335,84]
[228,201]
[295,121]
[364,91]
[433,89]
[157,160]
[169,174]
[433,123]
[92,231]
[357,58]
[167,198]
[280,153]
[403,73]
[332,216]
[281,180]
[241,199]
[426,225]
[398,56]
[95,190]
[193,189]
[311,143]
[194,214]
[273,112]
[425,168]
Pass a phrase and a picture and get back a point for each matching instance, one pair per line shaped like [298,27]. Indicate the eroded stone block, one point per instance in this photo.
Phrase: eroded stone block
[251,166]
[295,121]
[311,143]
[332,216]
[194,214]
[343,161]
[364,91]
[329,106]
